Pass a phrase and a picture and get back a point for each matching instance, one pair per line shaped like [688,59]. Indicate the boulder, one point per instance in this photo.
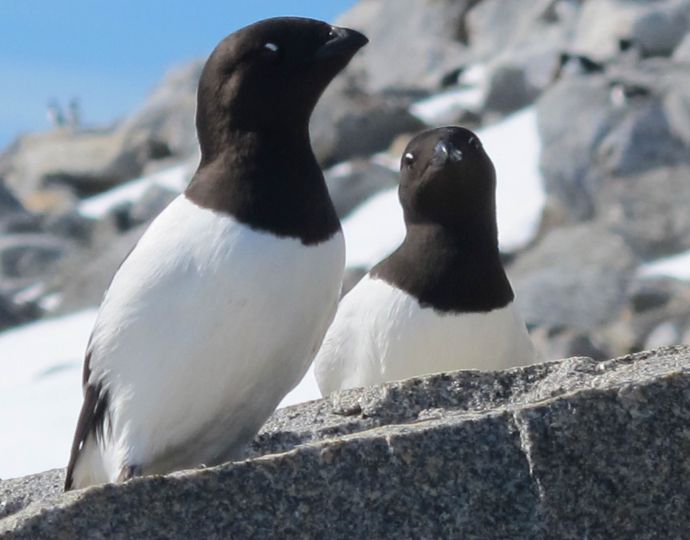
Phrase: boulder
[508,89]
[27,258]
[350,122]
[676,103]
[599,128]
[86,161]
[650,210]
[13,216]
[642,140]
[658,30]
[655,28]
[657,311]
[519,44]
[575,277]
[682,51]
[560,341]
[164,124]
[83,277]
[506,28]
[567,449]
[573,116]
[417,42]
[9,204]
[12,314]
[353,182]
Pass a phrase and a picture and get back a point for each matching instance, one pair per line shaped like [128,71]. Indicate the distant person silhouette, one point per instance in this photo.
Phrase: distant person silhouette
[74,113]
[55,115]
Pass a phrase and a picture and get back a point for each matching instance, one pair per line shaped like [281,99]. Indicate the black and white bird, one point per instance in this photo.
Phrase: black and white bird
[220,308]
[441,301]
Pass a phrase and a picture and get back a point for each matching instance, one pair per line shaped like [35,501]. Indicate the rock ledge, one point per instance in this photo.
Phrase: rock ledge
[566,449]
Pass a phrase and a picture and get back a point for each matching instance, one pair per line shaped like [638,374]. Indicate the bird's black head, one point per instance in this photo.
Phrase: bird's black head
[447,179]
[269,75]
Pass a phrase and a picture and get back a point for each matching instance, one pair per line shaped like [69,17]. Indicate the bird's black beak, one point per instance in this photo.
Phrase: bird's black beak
[342,43]
[445,151]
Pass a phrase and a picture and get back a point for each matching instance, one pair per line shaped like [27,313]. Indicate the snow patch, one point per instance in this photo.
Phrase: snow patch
[40,392]
[676,266]
[374,229]
[514,147]
[444,107]
[306,390]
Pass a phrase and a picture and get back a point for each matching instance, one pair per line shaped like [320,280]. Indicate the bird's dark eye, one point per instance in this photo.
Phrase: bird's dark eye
[408,159]
[273,47]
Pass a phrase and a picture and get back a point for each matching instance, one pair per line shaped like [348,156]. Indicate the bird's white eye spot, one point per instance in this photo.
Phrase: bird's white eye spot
[408,159]
[271,47]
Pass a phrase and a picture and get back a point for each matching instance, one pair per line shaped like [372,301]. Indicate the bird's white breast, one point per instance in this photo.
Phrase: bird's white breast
[205,327]
[381,333]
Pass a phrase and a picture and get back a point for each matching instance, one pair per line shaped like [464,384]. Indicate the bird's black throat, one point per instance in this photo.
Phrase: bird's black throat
[268,181]
[454,270]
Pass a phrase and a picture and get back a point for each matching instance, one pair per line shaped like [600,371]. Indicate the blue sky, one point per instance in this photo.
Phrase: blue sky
[110,54]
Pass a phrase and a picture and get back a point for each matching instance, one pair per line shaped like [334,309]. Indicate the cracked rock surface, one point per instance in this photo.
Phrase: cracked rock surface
[567,449]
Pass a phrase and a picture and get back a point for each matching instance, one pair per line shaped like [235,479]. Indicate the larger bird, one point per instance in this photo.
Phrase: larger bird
[442,300]
[220,308]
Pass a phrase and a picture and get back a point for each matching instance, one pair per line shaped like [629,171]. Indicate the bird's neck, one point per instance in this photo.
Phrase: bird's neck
[244,144]
[457,270]
[267,179]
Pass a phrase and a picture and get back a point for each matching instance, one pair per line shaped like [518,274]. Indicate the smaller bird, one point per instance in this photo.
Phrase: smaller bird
[442,300]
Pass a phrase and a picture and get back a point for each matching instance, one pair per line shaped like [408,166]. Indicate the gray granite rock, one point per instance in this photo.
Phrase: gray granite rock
[567,449]
[641,141]
[351,183]
[599,129]
[8,202]
[149,205]
[13,216]
[659,30]
[499,27]
[85,161]
[650,210]
[574,277]
[164,124]
[25,258]
[350,122]
[416,42]
[657,312]
[653,27]
[573,117]
[82,278]
[682,51]
[12,314]
[508,89]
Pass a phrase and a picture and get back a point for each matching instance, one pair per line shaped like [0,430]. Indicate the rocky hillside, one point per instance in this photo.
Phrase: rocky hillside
[608,80]
[569,449]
